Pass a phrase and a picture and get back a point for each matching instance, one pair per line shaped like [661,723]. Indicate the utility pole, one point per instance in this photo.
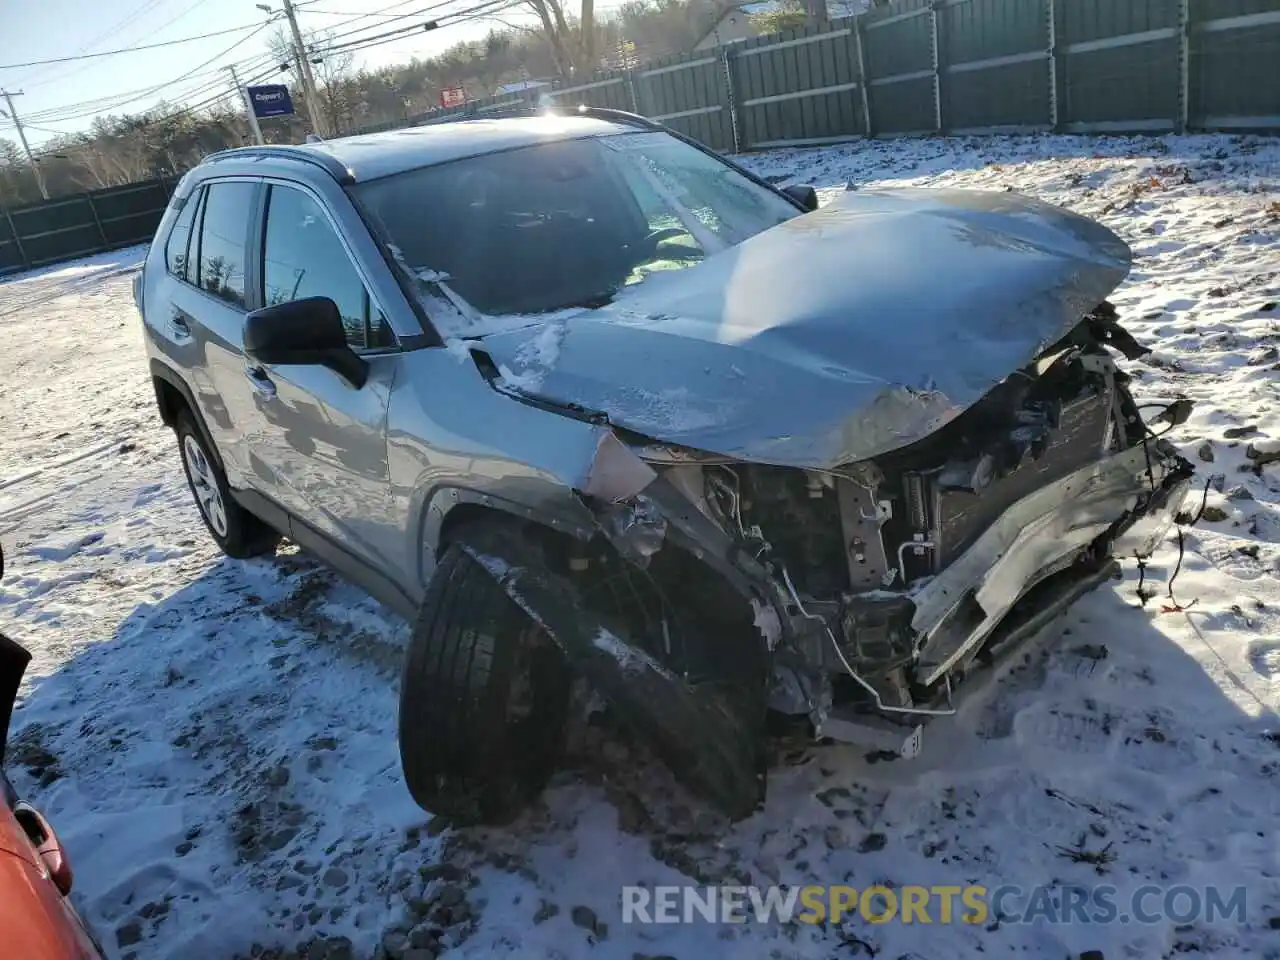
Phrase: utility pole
[22,136]
[308,81]
[248,105]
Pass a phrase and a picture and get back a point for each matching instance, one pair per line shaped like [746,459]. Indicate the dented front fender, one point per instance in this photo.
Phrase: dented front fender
[711,738]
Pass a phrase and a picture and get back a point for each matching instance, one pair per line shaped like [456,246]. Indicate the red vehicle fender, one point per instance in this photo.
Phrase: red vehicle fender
[38,920]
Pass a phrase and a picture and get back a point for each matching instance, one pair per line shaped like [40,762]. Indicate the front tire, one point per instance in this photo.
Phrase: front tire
[483,699]
[236,531]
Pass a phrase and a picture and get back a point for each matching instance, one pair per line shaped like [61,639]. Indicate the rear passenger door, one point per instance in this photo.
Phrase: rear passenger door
[320,443]
[208,306]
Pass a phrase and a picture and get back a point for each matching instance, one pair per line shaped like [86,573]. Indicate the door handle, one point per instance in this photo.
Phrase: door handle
[262,384]
[181,328]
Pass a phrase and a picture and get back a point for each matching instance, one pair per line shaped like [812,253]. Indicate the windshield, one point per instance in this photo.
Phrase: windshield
[566,224]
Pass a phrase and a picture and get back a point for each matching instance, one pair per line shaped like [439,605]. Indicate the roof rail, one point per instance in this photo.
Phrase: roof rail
[536,110]
[619,116]
[326,161]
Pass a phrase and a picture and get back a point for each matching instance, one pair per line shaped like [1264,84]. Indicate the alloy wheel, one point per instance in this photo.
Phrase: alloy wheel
[208,496]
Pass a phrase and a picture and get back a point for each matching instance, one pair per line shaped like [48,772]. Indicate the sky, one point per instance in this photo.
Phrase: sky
[64,97]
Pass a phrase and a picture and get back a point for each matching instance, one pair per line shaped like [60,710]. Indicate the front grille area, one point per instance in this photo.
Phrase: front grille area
[963,515]
[801,519]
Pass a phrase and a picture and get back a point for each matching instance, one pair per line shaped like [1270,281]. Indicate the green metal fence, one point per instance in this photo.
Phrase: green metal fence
[914,67]
[86,223]
[971,66]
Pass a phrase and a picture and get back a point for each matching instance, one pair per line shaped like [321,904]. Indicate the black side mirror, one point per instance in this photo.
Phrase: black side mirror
[307,331]
[807,197]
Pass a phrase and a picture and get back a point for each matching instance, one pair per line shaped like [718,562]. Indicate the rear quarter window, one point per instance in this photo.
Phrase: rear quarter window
[176,251]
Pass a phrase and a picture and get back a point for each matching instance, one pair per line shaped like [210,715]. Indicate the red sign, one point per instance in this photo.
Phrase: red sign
[452,97]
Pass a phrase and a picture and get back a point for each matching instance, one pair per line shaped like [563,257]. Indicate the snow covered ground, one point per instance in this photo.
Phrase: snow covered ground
[215,740]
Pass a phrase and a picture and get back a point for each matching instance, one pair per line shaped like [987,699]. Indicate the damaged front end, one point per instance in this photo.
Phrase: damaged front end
[858,597]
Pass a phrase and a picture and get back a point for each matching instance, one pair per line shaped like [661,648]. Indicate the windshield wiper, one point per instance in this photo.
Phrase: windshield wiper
[590,303]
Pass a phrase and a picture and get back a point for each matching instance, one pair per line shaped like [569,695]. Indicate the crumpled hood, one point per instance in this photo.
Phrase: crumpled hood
[831,338]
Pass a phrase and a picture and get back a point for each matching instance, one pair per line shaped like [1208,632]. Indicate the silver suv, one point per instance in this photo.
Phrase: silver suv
[585,400]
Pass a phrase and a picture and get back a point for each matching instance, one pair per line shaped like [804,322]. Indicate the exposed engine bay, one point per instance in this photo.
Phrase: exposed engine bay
[878,585]
[857,598]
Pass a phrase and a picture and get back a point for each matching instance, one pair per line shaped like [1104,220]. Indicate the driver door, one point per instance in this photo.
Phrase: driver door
[320,447]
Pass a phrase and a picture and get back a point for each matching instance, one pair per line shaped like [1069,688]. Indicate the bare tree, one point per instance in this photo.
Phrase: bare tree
[588,33]
[816,10]
[332,71]
[554,28]
[333,75]
[574,44]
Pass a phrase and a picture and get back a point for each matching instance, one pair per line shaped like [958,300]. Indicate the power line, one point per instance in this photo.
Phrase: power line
[199,89]
[482,10]
[32,126]
[96,107]
[107,102]
[223,94]
[192,107]
[152,90]
[145,8]
[176,17]
[374,13]
[400,33]
[390,19]
[124,97]
[215,98]
[304,52]
[330,37]
[187,108]
[489,14]
[348,13]
[59,78]
[148,5]
[121,50]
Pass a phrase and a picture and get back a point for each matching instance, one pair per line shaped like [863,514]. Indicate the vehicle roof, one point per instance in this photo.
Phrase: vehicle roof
[372,155]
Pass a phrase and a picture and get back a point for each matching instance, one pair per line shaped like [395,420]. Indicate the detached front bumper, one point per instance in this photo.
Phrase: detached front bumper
[1125,502]
[1041,556]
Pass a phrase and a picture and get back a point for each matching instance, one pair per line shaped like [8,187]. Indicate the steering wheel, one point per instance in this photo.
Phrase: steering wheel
[655,237]
[676,252]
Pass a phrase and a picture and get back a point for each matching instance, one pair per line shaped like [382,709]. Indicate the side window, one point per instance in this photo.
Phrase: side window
[175,251]
[224,233]
[303,257]
[378,333]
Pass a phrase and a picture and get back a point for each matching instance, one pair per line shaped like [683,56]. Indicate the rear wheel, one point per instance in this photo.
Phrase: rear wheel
[483,699]
[235,530]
